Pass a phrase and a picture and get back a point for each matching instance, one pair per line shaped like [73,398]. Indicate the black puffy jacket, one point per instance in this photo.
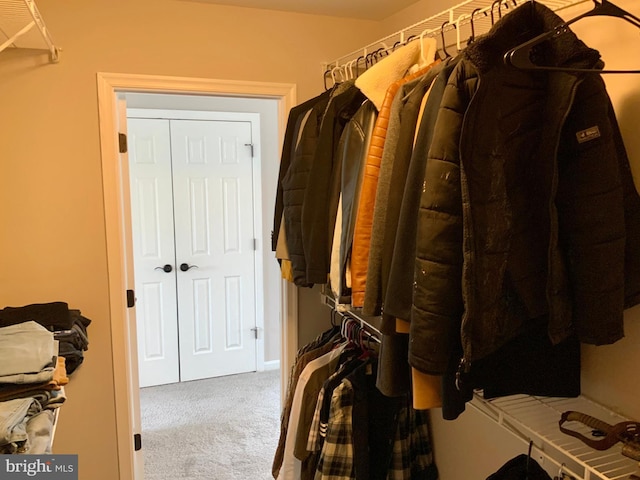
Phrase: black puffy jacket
[529,209]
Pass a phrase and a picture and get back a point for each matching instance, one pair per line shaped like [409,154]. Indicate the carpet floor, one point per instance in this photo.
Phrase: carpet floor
[214,429]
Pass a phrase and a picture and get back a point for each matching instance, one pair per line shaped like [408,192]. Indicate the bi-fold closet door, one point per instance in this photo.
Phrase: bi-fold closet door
[194,253]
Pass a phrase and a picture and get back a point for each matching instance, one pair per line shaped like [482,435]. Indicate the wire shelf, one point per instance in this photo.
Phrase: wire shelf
[454,24]
[371,324]
[536,419]
[22,26]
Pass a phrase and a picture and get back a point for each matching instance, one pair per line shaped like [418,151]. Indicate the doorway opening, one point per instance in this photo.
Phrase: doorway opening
[196,199]
[112,91]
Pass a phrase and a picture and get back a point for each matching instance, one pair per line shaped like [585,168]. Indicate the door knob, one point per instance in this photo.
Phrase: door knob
[167,268]
[185,266]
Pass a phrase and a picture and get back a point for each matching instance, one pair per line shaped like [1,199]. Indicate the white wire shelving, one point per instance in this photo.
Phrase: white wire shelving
[536,419]
[22,26]
[454,24]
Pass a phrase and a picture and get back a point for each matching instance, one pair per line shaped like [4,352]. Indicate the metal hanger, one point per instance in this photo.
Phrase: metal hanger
[334,322]
[361,57]
[493,21]
[444,42]
[333,74]
[473,29]
[527,468]
[456,24]
[324,78]
[521,56]
[423,60]
[382,52]
[368,61]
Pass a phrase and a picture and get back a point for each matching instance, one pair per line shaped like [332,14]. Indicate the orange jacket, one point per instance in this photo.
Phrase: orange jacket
[364,218]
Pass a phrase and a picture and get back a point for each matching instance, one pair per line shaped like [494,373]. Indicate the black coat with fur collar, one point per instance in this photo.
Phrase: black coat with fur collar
[529,209]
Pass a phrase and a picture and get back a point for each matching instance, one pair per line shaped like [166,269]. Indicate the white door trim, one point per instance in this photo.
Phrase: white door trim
[118,232]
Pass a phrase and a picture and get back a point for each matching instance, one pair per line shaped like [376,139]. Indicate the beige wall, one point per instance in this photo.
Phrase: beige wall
[53,234]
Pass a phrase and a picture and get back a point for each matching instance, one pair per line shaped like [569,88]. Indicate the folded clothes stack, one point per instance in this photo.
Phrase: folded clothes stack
[68,326]
[32,375]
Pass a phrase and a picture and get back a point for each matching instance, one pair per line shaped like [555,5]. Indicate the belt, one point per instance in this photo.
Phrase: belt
[626,432]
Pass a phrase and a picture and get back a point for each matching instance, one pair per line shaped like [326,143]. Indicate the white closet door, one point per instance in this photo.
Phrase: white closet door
[213,201]
[153,243]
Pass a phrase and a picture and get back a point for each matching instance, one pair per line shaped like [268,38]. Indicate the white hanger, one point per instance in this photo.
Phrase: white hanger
[333,74]
[423,60]
[457,24]
[350,69]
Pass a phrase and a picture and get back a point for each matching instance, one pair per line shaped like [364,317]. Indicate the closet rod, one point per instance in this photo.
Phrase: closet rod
[364,327]
[457,16]
[370,324]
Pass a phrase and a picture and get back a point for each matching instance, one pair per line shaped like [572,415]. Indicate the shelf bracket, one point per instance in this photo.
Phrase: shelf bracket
[15,11]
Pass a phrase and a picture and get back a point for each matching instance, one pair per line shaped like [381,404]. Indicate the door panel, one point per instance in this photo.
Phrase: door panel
[154,247]
[213,201]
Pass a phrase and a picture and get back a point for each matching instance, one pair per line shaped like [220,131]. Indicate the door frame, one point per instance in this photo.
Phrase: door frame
[119,242]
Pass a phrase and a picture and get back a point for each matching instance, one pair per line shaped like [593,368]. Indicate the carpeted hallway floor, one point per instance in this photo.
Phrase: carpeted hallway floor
[222,428]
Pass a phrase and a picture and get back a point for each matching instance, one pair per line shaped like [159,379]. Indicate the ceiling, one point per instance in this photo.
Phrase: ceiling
[362,9]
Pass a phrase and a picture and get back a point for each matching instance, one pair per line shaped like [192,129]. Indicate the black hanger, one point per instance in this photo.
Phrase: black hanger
[444,42]
[473,30]
[334,322]
[324,78]
[520,56]
[526,472]
[383,52]
[368,62]
[361,57]
[493,21]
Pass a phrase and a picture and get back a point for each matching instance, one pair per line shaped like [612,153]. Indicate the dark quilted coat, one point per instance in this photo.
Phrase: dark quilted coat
[529,209]
[294,184]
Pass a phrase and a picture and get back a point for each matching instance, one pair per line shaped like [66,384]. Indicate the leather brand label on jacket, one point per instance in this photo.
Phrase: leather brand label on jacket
[588,134]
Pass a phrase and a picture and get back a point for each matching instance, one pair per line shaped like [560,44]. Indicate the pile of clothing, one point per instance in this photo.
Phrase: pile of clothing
[69,327]
[31,379]
[40,345]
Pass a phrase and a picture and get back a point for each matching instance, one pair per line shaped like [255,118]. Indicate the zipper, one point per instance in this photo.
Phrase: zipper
[464,366]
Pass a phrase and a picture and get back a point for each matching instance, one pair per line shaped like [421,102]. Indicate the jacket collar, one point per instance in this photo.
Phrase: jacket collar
[522,24]
[375,81]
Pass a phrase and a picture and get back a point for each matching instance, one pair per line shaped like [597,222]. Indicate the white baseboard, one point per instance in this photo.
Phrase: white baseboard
[272,365]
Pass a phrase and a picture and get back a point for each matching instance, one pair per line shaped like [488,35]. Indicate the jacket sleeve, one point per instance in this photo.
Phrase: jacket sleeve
[285,161]
[288,150]
[593,181]
[437,294]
